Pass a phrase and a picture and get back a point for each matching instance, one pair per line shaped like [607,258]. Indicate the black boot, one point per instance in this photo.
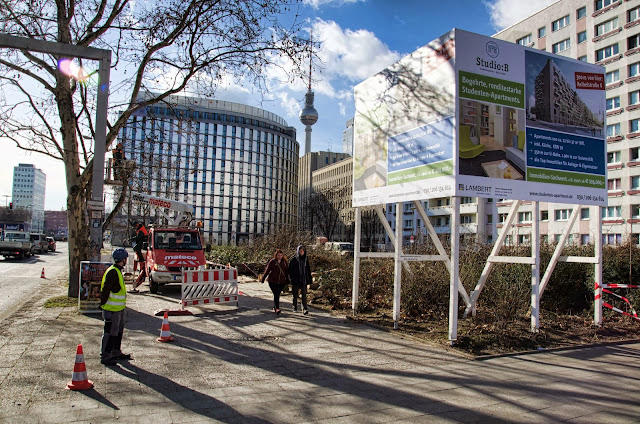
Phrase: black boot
[117,343]
[105,357]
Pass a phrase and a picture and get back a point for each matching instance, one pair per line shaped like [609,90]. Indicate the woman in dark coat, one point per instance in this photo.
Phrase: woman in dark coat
[300,273]
[277,272]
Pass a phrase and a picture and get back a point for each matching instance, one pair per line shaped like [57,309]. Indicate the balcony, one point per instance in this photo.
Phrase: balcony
[614,112]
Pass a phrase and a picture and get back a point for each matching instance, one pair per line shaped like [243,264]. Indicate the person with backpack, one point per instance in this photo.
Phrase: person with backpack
[277,272]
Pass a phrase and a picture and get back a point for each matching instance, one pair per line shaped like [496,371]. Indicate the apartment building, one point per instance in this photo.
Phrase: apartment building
[607,33]
[28,192]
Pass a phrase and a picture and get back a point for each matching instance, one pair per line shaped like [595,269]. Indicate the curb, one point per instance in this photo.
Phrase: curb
[557,349]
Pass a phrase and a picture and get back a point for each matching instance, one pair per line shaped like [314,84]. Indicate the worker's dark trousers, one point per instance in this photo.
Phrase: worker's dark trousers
[112,334]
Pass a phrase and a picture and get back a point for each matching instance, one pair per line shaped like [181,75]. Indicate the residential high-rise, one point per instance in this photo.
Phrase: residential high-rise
[28,192]
[604,32]
[237,164]
[347,138]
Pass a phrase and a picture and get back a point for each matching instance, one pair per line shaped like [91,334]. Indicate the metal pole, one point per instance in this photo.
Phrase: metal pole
[356,262]
[597,304]
[99,153]
[397,271]
[455,270]
[535,269]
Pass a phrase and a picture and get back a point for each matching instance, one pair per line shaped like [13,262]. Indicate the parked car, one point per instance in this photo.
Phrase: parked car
[40,243]
[52,244]
[15,244]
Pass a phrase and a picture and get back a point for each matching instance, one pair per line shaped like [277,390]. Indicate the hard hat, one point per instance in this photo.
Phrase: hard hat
[120,255]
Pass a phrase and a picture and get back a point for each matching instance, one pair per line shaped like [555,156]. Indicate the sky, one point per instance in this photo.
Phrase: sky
[355,39]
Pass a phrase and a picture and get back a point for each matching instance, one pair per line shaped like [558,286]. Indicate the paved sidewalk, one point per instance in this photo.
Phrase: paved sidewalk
[245,364]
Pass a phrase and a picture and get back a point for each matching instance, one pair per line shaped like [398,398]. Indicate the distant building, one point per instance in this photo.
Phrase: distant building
[55,222]
[237,164]
[307,164]
[28,192]
[347,138]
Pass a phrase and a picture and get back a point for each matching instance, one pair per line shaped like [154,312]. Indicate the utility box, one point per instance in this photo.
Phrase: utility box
[470,115]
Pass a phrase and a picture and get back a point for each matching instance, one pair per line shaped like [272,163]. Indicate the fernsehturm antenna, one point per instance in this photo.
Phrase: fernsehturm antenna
[309,115]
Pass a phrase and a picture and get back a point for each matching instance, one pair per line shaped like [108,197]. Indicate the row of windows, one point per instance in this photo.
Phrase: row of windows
[616,183]
[571,239]
[613,130]
[616,156]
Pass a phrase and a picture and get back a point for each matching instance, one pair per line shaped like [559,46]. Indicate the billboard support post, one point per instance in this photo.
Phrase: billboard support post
[535,268]
[397,270]
[454,283]
[597,245]
[356,261]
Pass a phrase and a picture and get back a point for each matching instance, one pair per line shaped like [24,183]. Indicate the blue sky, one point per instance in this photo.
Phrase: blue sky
[357,38]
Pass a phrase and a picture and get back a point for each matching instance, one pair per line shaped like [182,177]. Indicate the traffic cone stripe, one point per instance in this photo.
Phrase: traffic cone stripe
[79,379]
[42,274]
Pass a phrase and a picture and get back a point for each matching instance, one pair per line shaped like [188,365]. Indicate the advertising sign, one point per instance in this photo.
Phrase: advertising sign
[525,124]
[90,281]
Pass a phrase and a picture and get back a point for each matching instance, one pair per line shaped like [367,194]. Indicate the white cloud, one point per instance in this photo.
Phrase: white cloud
[317,3]
[505,13]
[352,54]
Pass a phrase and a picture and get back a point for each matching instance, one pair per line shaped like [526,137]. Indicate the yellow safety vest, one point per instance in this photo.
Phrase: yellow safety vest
[116,301]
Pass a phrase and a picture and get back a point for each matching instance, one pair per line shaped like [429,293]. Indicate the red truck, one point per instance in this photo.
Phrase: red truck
[170,250]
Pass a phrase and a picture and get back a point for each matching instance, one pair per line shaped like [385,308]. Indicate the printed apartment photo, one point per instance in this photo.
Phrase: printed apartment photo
[492,140]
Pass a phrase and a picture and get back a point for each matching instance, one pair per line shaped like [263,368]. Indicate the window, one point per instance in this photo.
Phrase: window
[635,211]
[524,41]
[560,23]
[582,37]
[601,4]
[583,58]
[606,52]
[613,130]
[584,213]
[612,77]
[466,200]
[607,26]
[408,223]
[466,219]
[634,153]
[634,97]
[542,32]
[612,212]
[634,125]
[614,184]
[633,14]
[635,182]
[524,217]
[562,214]
[613,103]
[584,239]
[524,239]
[613,157]
[544,215]
[634,69]
[633,42]
[581,13]
[489,219]
[561,46]
[612,238]
[502,218]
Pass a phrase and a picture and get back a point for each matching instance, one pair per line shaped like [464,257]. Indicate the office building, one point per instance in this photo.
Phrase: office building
[606,33]
[347,138]
[237,164]
[28,192]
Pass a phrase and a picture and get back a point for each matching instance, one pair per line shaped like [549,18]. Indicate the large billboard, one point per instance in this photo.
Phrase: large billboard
[469,115]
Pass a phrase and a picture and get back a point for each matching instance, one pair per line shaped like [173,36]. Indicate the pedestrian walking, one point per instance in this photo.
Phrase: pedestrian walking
[300,275]
[113,299]
[277,272]
[140,238]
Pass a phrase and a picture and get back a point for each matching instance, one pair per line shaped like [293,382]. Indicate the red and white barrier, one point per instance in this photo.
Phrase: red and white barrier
[633,314]
[209,286]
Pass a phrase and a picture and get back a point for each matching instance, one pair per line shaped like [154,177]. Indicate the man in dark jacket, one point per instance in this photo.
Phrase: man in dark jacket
[113,299]
[300,274]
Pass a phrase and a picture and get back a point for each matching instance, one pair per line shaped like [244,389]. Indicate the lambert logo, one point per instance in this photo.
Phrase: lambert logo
[492,49]
[460,186]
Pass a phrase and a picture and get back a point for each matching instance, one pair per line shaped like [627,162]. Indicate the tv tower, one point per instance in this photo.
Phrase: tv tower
[308,115]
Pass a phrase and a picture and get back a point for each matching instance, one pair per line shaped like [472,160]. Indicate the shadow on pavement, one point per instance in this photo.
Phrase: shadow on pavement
[97,396]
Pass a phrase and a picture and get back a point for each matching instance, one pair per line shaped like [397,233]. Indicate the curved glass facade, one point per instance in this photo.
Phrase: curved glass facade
[237,164]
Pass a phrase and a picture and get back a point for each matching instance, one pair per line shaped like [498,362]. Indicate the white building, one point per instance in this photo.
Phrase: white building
[28,192]
[237,164]
[607,33]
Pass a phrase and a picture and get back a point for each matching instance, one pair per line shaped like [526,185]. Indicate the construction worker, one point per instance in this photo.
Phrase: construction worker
[118,160]
[141,237]
[113,299]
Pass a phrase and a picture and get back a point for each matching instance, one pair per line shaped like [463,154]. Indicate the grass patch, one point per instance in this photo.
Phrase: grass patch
[60,302]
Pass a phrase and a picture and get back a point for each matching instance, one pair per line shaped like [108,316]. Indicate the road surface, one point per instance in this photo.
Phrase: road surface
[19,279]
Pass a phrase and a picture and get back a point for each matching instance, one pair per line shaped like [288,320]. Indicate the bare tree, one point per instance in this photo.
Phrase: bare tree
[159,46]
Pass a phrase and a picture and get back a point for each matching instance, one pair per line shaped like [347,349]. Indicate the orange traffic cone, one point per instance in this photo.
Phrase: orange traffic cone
[42,274]
[79,378]
[165,333]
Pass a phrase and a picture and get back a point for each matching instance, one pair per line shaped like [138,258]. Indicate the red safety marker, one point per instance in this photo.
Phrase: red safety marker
[79,379]
[42,274]
[165,332]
